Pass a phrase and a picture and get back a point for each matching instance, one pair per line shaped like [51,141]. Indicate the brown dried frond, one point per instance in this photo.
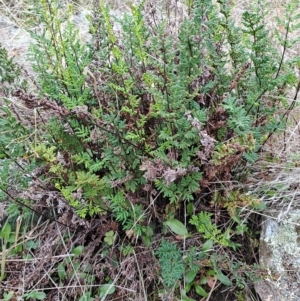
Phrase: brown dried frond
[216,121]
[119,182]
[154,169]
[239,75]
[221,170]
[170,175]
[208,144]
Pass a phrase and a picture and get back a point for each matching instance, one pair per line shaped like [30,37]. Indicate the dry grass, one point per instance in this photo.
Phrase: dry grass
[36,272]
[283,170]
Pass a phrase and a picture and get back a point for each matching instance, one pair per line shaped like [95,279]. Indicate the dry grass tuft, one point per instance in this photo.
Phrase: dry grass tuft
[279,171]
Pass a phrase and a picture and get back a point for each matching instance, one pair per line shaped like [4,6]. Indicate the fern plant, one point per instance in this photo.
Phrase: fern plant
[210,231]
[9,71]
[161,111]
[171,263]
[16,137]
[149,115]
[58,56]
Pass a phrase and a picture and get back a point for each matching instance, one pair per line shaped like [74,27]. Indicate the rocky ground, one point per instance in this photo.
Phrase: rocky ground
[280,239]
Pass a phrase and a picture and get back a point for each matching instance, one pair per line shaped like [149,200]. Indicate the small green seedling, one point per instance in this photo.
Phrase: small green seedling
[106,289]
[177,227]
[110,237]
[8,296]
[35,295]
[4,236]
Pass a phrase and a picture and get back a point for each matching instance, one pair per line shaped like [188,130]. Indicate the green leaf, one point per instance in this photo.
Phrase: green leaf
[61,271]
[241,229]
[12,237]
[76,266]
[109,237]
[200,291]
[148,231]
[260,206]
[8,296]
[208,245]
[78,250]
[40,295]
[5,232]
[211,273]
[86,297]
[110,233]
[35,295]
[31,244]
[188,287]
[187,299]
[236,218]
[2,156]
[190,276]
[177,227]
[190,208]
[107,289]
[223,279]
[146,240]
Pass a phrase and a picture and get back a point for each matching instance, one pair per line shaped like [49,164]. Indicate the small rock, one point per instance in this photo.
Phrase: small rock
[280,256]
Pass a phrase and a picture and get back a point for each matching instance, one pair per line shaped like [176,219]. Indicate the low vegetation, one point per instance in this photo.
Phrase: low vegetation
[123,158]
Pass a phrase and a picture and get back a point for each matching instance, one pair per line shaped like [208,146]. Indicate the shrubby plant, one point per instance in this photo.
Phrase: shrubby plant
[151,115]
[170,112]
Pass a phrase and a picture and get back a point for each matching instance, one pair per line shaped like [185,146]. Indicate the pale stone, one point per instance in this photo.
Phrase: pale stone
[280,256]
